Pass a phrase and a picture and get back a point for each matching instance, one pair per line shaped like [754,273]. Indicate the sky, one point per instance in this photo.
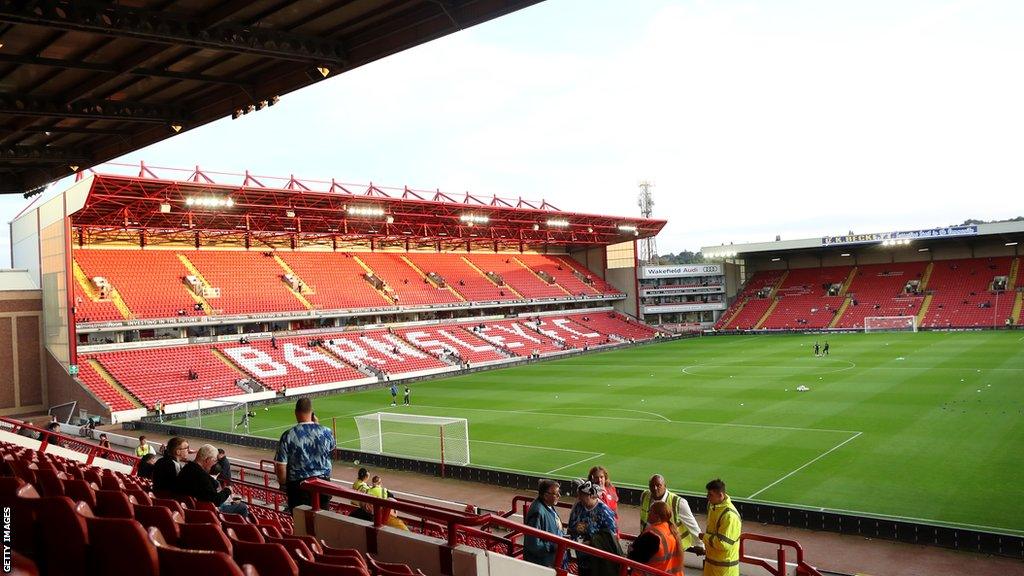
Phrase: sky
[797,118]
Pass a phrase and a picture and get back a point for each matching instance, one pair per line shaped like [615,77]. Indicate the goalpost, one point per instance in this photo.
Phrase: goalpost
[432,438]
[890,324]
[221,415]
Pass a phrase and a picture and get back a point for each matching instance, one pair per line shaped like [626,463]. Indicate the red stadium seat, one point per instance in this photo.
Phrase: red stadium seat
[388,567]
[114,504]
[141,496]
[201,517]
[160,518]
[270,559]
[120,546]
[203,537]
[64,540]
[243,532]
[310,567]
[80,491]
[170,504]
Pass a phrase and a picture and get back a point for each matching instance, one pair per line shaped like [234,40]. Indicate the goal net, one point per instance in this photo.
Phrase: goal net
[890,324]
[221,415]
[432,438]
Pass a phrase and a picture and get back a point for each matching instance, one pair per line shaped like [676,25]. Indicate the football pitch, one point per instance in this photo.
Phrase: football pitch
[926,427]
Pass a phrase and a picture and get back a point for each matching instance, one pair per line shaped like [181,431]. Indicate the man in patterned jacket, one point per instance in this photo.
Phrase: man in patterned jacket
[304,452]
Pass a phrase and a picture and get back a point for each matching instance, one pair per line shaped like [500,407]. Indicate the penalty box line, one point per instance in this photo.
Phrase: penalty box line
[593,455]
[808,463]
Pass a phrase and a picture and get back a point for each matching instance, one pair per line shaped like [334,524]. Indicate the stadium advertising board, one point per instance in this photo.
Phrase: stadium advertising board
[946,232]
[681,271]
[694,307]
[682,291]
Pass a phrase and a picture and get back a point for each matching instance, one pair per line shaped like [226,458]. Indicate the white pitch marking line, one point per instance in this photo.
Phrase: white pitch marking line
[361,412]
[819,457]
[471,441]
[575,463]
[685,422]
[686,369]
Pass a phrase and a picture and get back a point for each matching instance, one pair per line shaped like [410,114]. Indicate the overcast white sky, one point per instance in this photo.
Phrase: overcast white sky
[792,117]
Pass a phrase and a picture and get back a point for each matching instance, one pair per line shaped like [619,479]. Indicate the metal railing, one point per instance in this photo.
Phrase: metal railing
[75,444]
[462,526]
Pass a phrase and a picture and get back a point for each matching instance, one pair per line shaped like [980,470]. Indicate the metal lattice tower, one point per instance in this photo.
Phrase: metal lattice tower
[648,249]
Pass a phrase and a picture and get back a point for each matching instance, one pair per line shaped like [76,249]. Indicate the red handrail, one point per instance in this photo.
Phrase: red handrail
[74,444]
[457,522]
[802,567]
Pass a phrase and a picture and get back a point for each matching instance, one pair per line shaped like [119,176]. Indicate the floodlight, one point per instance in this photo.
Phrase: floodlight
[474,218]
[627,228]
[558,223]
[364,210]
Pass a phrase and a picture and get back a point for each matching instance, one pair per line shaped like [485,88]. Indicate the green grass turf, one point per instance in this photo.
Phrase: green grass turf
[926,426]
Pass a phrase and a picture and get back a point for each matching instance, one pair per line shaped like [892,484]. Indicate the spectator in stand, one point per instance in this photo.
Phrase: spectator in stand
[593,523]
[54,429]
[543,516]
[222,467]
[682,517]
[722,540]
[145,469]
[304,452]
[363,511]
[599,475]
[166,469]
[377,489]
[196,480]
[104,443]
[659,545]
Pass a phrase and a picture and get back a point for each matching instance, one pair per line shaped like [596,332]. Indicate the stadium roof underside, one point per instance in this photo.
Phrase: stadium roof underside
[82,82]
[967,235]
[146,209]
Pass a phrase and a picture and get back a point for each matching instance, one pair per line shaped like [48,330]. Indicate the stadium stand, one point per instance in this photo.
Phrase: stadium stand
[440,339]
[405,281]
[964,293]
[460,274]
[335,280]
[614,324]
[880,290]
[261,289]
[161,374]
[126,379]
[523,280]
[752,302]
[102,388]
[802,300]
[167,283]
[154,290]
[520,337]
[261,360]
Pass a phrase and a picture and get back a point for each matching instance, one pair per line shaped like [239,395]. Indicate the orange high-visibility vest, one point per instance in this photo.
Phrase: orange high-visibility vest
[668,558]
